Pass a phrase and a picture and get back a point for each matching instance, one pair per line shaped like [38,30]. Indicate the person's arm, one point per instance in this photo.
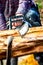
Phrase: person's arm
[2,22]
[2,18]
[24,5]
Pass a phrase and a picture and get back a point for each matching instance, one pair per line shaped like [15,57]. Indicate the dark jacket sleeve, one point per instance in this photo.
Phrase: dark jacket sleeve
[24,5]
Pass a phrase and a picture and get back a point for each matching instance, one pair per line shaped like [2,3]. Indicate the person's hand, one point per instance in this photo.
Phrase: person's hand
[18,23]
[15,24]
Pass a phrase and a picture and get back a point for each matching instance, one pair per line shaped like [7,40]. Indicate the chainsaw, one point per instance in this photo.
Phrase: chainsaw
[22,30]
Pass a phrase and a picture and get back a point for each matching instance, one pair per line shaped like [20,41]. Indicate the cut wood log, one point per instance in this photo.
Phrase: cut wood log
[16,32]
[30,43]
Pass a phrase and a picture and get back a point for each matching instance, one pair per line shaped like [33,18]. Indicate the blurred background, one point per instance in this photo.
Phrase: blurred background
[40,6]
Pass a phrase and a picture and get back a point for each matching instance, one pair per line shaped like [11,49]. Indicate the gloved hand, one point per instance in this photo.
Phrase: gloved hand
[18,22]
[24,27]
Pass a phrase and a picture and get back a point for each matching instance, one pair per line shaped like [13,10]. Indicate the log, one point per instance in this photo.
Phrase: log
[16,32]
[31,42]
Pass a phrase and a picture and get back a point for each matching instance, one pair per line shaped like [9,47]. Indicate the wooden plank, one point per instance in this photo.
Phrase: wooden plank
[16,32]
[22,52]
[30,43]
